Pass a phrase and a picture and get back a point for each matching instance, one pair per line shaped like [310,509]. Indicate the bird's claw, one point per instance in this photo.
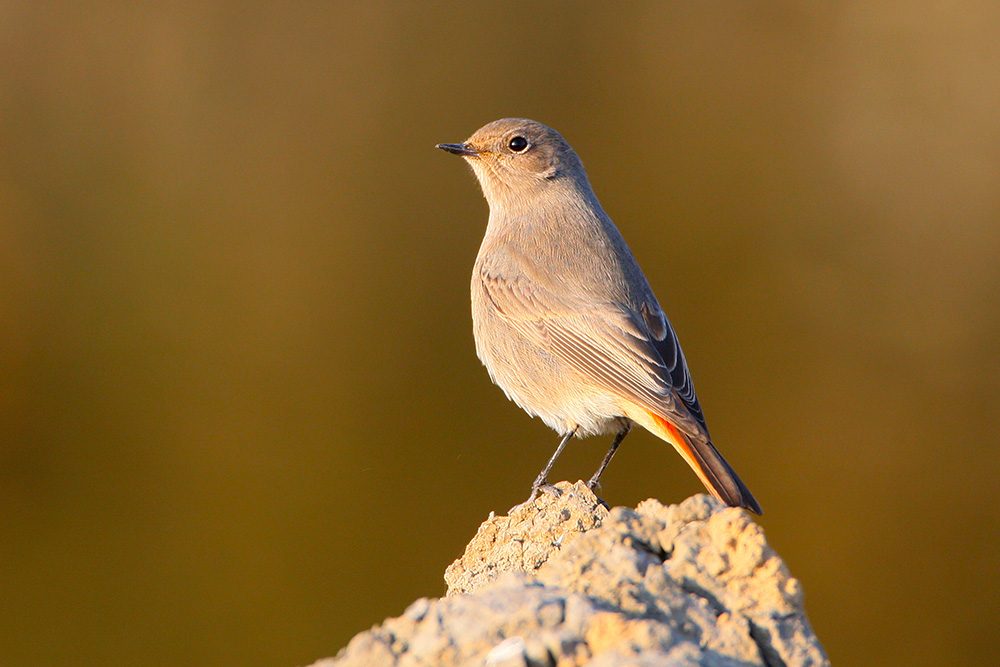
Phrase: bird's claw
[547,488]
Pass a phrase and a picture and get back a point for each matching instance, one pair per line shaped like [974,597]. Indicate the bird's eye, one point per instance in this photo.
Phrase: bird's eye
[518,144]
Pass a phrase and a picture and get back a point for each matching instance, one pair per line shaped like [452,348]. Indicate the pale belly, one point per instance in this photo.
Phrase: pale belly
[538,381]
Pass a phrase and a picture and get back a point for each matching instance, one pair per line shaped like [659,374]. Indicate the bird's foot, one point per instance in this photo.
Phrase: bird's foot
[542,486]
[547,488]
[594,484]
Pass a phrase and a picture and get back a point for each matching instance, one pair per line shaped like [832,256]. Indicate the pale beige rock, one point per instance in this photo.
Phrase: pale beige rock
[523,540]
[565,583]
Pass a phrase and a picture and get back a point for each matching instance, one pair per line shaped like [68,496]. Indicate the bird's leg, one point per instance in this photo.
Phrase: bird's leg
[541,483]
[596,479]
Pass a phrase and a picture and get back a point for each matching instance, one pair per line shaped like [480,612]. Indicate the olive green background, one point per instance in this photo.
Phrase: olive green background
[242,417]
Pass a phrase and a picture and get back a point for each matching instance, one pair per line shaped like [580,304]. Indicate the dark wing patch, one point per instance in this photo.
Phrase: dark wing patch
[680,377]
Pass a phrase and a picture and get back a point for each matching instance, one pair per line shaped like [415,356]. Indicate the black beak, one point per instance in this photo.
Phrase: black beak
[458,149]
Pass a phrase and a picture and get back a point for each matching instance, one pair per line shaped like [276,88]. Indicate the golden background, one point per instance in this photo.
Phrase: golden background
[242,417]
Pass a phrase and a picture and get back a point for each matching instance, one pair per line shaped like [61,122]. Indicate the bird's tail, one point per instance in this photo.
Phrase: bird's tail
[708,464]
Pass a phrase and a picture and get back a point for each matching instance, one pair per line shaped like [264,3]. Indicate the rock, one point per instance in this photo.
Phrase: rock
[522,541]
[564,582]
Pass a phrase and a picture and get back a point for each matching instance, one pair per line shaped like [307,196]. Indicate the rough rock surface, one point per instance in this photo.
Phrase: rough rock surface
[564,582]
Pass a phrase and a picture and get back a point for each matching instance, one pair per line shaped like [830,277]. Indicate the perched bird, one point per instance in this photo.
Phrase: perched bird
[564,320]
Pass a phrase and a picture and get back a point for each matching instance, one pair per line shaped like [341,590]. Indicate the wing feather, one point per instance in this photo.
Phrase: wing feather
[613,346]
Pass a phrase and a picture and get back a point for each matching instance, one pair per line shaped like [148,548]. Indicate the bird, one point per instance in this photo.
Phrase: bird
[563,317]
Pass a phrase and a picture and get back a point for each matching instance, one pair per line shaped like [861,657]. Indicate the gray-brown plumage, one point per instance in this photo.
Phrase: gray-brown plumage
[564,320]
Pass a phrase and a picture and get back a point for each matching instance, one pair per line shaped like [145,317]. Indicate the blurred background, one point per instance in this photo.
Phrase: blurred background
[241,416]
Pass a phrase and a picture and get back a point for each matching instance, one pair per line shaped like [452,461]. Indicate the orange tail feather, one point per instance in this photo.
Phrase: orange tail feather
[717,475]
